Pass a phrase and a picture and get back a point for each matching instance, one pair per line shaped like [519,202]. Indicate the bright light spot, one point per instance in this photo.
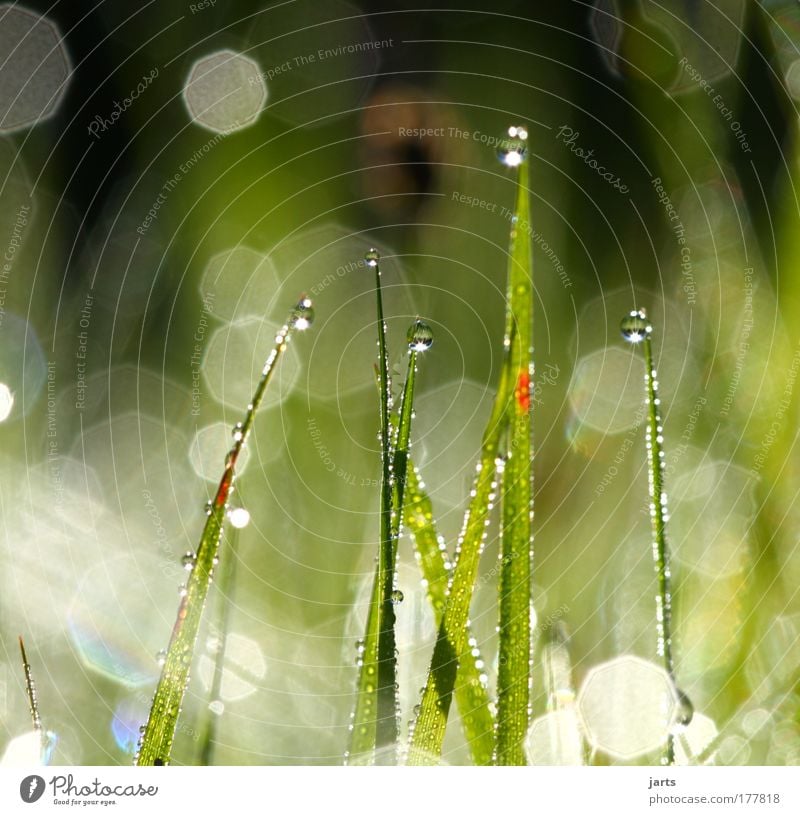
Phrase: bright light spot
[555,739]
[627,707]
[6,401]
[513,158]
[225,91]
[34,67]
[23,751]
[243,668]
[239,517]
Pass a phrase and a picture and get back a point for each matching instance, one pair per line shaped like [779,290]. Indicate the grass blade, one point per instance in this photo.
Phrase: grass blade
[514,667]
[46,738]
[452,639]
[387,727]
[637,329]
[30,689]
[472,696]
[239,518]
[363,738]
[159,733]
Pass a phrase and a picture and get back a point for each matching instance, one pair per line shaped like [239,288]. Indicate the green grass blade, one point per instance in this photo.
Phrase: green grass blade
[514,666]
[471,694]
[227,578]
[159,733]
[452,639]
[363,733]
[362,726]
[637,329]
[387,728]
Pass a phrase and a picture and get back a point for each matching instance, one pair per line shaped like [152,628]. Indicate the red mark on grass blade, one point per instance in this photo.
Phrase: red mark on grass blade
[523,392]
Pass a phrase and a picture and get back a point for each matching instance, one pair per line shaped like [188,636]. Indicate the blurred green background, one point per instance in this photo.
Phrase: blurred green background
[159,222]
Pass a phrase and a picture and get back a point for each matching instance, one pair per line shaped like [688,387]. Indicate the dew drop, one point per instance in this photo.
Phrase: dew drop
[188,561]
[208,507]
[685,709]
[635,326]
[237,431]
[372,257]
[420,336]
[161,656]
[513,149]
[397,596]
[303,315]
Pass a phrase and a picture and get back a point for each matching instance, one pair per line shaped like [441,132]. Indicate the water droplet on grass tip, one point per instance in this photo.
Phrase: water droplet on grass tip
[188,561]
[635,326]
[303,316]
[513,150]
[420,336]
[397,596]
[372,257]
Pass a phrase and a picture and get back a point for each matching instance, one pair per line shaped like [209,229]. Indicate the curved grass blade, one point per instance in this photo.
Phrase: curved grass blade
[472,696]
[637,329]
[159,733]
[363,732]
[515,656]
[452,639]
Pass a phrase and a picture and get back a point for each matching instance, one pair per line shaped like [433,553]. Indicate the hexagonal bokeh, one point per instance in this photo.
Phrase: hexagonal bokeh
[208,449]
[711,513]
[238,282]
[607,392]
[23,751]
[650,40]
[793,79]
[447,437]
[708,36]
[694,739]
[243,669]
[234,360]
[225,91]
[555,739]
[627,707]
[34,67]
